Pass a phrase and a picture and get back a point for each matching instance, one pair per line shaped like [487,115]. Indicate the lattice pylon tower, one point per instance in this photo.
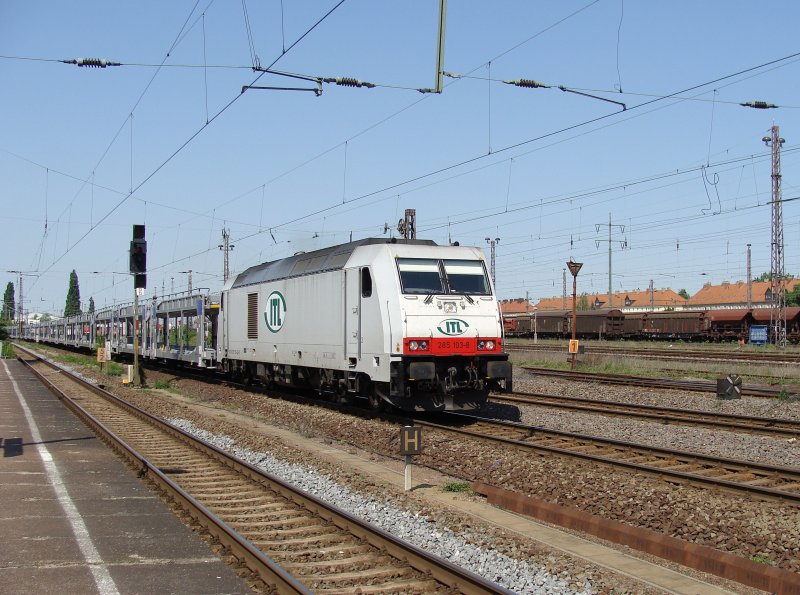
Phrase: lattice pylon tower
[226,248]
[493,243]
[776,269]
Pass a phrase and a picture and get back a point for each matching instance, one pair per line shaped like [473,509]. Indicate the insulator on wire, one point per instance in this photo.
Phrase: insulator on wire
[528,84]
[346,81]
[758,105]
[92,62]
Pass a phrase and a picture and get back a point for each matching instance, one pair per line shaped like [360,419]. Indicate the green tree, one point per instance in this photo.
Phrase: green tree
[582,303]
[793,297]
[73,304]
[9,304]
[91,306]
[684,294]
[763,277]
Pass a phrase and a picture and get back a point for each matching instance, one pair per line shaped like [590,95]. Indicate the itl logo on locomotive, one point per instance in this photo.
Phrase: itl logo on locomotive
[453,327]
[275,312]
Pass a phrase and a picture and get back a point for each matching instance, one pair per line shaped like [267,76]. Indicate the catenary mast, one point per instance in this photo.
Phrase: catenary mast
[776,270]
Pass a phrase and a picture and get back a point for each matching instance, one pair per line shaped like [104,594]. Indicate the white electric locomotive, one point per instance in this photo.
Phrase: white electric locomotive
[400,322]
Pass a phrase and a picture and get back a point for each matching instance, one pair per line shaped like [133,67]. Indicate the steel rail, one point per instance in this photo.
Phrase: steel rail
[272,574]
[442,571]
[660,353]
[710,560]
[766,481]
[667,415]
[661,383]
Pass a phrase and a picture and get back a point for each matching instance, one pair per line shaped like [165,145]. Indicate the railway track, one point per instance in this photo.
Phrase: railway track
[291,541]
[748,374]
[772,392]
[637,535]
[666,415]
[664,354]
[764,481]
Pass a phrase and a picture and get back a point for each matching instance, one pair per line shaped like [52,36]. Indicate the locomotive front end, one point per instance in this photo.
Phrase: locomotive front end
[452,342]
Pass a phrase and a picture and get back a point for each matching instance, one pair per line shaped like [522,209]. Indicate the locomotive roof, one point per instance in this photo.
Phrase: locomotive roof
[305,263]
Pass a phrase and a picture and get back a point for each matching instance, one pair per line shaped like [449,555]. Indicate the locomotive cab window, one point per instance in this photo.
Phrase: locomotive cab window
[420,275]
[466,276]
[366,283]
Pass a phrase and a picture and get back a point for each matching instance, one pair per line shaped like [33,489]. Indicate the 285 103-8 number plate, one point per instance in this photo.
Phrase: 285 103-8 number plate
[453,346]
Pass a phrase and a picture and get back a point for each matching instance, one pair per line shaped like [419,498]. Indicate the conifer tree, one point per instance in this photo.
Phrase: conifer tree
[9,304]
[91,306]
[73,304]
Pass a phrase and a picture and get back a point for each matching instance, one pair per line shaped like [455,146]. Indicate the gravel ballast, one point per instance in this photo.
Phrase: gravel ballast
[767,531]
[516,575]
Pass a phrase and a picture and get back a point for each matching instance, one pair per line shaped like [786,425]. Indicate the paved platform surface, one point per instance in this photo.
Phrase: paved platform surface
[75,519]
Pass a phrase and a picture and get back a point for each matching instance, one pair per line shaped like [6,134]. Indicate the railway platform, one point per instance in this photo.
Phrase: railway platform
[75,519]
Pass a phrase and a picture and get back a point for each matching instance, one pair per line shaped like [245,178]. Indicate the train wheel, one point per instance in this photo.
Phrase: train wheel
[342,397]
[375,401]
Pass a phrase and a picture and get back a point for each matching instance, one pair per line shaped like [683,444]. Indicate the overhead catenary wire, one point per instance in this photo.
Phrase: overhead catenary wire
[174,44]
[619,36]
[681,220]
[551,200]
[251,44]
[192,137]
[534,84]
[395,186]
[494,214]
[426,97]
[134,197]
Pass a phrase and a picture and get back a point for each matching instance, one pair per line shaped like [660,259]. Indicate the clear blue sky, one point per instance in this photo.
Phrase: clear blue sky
[288,171]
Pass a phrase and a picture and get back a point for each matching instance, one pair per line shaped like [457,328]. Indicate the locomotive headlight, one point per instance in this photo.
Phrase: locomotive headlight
[481,345]
[423,345]
[413,345]
[490,345]
[450,308]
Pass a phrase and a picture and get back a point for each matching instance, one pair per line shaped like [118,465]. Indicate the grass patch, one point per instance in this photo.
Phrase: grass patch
[457,486]
[114,369]
[7,351]
[74,359]
[90,361]
[760,559]
[617,367]
[166,385]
